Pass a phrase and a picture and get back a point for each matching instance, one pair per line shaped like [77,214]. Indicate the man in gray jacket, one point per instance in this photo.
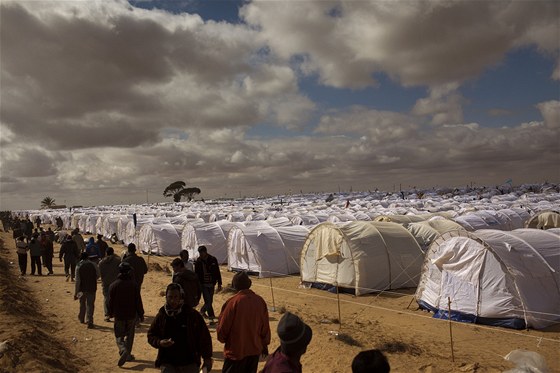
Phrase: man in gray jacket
[109,269]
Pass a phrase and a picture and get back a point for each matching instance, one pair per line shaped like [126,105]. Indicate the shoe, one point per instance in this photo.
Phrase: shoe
[72,279]
[67,278]
[90,326]
[123,358]
[130,358]
[81,321]
[107,319]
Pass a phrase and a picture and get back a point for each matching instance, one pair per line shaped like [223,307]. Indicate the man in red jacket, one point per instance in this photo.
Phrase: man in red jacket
[243,327]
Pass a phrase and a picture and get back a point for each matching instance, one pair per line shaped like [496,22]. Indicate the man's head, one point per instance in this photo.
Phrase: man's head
[184,255]
[110,251]
[241,281]
[203,252]
[177,265]
[131,248]
[174,296]
[294,334]
[99,236]
[370,361]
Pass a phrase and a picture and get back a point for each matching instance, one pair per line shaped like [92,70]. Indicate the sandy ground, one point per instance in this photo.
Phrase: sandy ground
[38,318]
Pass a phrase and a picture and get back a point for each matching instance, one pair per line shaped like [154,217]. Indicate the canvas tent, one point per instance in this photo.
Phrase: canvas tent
[544,220]
[259,248]
[427,231]
[364,256]
[212,235]
[159,238]
[493,277]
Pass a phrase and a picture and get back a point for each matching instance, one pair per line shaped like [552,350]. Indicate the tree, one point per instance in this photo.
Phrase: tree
[47,203]
[178,190]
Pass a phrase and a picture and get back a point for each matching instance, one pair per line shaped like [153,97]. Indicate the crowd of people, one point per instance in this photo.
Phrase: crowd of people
[179,332]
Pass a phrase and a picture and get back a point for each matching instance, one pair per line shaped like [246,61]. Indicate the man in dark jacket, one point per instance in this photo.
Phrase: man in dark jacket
[86,286]
[180,335]
[102,245]
[125,305]
[137,263]
[139,267]
[70,253]
[208,272]
[188,281]
[48,252]
[109,270]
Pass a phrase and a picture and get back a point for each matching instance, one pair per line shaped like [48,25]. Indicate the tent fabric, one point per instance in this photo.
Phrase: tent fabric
[426,232]
[364,256]
[403,219]
[159,238]
[507,276]
[259,248]
[544,220]
[212,235]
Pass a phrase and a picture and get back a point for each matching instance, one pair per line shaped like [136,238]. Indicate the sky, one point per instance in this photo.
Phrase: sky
[108,102]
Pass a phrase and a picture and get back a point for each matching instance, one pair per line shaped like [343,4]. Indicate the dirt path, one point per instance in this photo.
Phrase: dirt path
[39,316]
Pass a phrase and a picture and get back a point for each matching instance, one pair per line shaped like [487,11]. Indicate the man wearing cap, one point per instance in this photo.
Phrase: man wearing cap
[208,272]
[295,336]
[109,270]
[243,327]
[125,305]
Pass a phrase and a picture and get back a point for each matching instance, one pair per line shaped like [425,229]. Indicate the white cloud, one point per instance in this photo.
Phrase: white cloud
[550,111]
[417,43]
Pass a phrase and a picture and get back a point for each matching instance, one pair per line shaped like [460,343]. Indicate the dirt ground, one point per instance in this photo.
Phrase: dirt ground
[38,319]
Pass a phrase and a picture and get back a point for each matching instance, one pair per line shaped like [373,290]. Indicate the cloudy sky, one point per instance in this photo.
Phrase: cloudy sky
[108,102]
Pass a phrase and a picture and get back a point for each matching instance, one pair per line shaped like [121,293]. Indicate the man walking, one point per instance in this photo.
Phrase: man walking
[79,239]
[109,270]
[102,245]
[188,281]
[86,286]
[125,305]
[243,327]
[48,252]
[70,253]
[208,272]
[138,264]
[35,251]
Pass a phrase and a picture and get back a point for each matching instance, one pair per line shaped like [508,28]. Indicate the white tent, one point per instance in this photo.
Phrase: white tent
[259,248]
[159,238]
[212,235]
[427,231]
[494,277]
[364,256]
[544,220]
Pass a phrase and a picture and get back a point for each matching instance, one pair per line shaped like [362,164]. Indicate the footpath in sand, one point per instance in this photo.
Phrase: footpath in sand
[38,319]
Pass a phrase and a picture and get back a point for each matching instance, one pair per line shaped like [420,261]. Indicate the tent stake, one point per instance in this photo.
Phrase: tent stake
[273,309]
[450,331]
[338,304]
[407,307]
